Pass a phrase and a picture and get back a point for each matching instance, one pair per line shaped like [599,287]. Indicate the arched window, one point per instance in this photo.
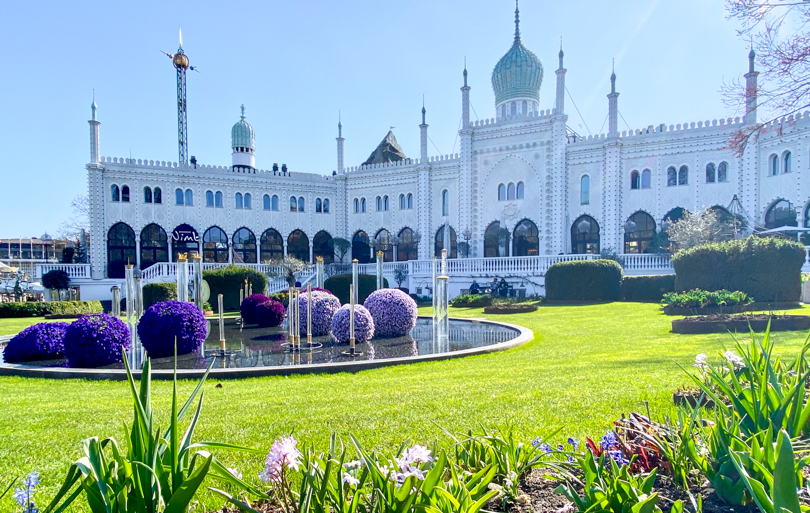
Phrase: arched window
[272,246]
[209,199]
[361,250]
[710,173]
[402,202]
[382,242]
[322,247]
[722,172]
[158,196]
[672,176]
[244,246]
[510,191]
[773,163]
[646,179]
[298,245]
[585,236]
[179,198]
[780,214]
[585,190]
[189,197]
[526,239]
[407,248]
[120,249]
[266,202]
[356,206]
[445,202]
[379,203]
[218,199]
[318,205]
[635,180]
[410,200]
[115,193]
[496,241]
[520,190]
[301,205]
[675,215]
[683,175]
[215,246]
[786,162]
[274,203]
[248,201]
[525,107]
[440,242]
[501,192]
[326,205]
[125,194]
[638,232]
[514,108]
[186,243]
[503,110]
[154,245]
[362,205]
[239,201]
[385,203]
[147,195]
[293,204]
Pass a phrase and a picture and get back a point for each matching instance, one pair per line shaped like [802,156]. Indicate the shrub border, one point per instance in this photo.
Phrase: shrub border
[524,335]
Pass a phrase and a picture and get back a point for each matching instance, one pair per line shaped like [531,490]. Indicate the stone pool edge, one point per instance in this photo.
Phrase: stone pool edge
[28,371]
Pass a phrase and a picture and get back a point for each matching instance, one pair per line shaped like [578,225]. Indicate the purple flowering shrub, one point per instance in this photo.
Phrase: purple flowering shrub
[324,306]
[363,325]
[96,340]
[166,321]
[269,314]
[43,341]
[393,311]
[248,308]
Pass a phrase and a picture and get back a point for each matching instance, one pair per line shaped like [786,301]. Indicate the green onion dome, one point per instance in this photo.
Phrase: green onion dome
[242,134]
[519,73]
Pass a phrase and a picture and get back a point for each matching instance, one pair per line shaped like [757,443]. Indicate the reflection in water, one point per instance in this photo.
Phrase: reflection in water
[265,347]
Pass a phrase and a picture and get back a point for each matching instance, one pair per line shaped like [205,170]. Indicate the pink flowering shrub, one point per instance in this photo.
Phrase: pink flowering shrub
[363,325]
[269,314]
[248,308]
[324,306]
[394,312]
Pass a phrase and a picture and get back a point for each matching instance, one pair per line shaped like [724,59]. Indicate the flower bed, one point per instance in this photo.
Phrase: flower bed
[96,340]
[43,341]
[742,323]
[471,301]
[393,311]
[168,321]
[510,309]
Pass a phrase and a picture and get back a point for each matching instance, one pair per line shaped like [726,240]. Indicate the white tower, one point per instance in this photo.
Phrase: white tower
[243,144]
[751,91]
[613,108]
[559,107]
[94,142]
[340,168]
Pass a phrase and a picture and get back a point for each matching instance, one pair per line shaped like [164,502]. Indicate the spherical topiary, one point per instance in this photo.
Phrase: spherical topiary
[166,321]
[324,306]
[393,311]
[269,314]
[43,341]
[363,325]
[248,308]
[96,340]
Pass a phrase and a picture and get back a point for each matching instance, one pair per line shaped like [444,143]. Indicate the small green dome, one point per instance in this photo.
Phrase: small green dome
[242,134]
[519,73]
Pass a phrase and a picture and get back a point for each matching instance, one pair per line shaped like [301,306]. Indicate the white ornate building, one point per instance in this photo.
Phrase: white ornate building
[523,184]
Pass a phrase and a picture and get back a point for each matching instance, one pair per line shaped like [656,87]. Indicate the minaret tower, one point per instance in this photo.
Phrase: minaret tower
[340,168]
[94,136]
[180,62]
[613,108]
[751,90]
[423,137]
[560,102]
[243,144]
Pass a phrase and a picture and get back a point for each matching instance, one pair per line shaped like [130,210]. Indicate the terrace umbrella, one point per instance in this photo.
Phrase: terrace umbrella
[786,229]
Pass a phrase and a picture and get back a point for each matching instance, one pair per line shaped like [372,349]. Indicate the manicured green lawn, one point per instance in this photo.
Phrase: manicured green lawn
[14,326]
[587,365]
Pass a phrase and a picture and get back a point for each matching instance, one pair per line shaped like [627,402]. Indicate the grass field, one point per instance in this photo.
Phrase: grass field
[587,365]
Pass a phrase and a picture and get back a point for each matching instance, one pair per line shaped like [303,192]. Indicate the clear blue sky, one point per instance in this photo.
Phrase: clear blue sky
[296,64]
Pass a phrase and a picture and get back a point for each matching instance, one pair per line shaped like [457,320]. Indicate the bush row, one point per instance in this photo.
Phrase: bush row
[587,280]
[229,280]
[37,309]
[701,298]
[340,285]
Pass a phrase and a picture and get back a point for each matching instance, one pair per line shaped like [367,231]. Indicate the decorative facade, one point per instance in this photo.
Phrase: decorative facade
[522,184]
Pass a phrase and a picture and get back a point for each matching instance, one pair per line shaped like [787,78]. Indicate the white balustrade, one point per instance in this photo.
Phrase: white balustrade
[72,270]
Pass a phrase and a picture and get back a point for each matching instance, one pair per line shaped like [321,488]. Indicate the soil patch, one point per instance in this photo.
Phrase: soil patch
[714,310]
[510,309]
[741,323]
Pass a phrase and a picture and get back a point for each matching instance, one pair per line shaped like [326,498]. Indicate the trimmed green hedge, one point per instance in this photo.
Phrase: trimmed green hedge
[768,269]
[647,288]
[157,292]
[229,280]
[39,309]
[340,284]
[590,280]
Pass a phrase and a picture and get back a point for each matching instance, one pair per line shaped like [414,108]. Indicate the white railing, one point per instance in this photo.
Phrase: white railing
[528,265]
[646,262]
[72,270]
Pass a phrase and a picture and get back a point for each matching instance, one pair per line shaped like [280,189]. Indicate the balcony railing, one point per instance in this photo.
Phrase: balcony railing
[72,270]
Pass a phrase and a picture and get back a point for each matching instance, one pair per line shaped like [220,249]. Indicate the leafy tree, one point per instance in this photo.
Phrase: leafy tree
[696,229]
[340,247]
[286,269]
[400,275]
